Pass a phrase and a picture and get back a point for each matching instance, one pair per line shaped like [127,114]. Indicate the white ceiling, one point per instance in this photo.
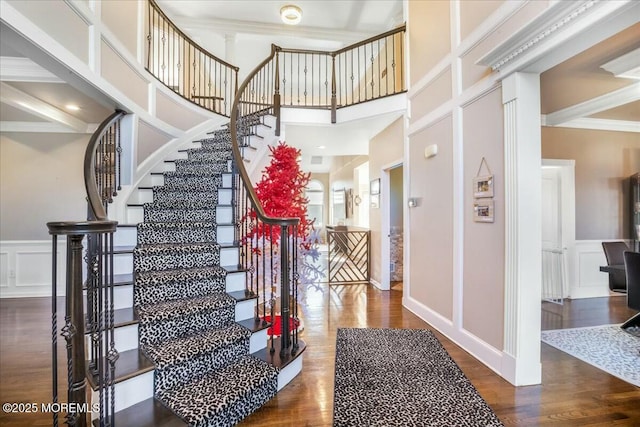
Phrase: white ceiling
[34,99]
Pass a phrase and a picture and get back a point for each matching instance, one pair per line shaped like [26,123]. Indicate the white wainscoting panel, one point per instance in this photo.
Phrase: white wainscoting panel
[590,281]
[26,270]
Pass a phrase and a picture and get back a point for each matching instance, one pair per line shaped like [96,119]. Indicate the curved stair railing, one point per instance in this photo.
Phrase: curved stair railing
[185,67]
[268,245]
[368,70]
[102,181]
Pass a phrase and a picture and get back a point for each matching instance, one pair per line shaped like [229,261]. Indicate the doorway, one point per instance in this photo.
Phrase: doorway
[392,228]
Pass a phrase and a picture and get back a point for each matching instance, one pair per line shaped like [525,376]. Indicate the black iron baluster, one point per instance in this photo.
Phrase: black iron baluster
[284,289]
[54,326]
[272,295]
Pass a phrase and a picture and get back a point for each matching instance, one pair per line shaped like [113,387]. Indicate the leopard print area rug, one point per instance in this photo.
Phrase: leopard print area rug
[402,377]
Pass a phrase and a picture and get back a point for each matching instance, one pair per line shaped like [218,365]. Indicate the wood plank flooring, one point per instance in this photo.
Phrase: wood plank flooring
[573,393]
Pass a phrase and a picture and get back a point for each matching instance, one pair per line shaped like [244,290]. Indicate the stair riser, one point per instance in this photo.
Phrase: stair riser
[174,260]
[182,374]
[209,155]
[175,290]
[128,392]
[223,215]
[144,195]
[245,310]
[156,332]
[125,236]
[125,338]
[154,234]
[122,297]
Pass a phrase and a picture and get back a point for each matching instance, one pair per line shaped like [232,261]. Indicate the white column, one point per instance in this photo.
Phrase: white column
[522,136]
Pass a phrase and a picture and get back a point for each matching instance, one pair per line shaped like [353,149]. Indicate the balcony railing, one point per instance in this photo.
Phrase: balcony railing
[185,67]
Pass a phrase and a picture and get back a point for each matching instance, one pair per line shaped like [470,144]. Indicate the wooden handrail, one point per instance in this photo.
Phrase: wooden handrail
[96,205]
[235,145]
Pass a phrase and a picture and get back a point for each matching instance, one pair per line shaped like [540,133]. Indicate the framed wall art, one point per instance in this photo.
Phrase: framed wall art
[483,210]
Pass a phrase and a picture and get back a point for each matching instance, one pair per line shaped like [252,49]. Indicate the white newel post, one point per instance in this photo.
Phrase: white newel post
[522,157]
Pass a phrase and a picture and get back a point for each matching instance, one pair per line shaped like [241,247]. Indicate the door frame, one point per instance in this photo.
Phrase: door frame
[385,222]
[567,168]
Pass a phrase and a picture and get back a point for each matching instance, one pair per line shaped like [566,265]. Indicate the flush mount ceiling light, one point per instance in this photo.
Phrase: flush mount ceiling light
[290,14]
[72,107]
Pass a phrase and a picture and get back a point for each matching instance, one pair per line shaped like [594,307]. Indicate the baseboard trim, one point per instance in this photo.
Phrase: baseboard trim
[485,353]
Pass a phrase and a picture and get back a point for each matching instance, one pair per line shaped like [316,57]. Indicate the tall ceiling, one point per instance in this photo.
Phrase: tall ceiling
[576,93]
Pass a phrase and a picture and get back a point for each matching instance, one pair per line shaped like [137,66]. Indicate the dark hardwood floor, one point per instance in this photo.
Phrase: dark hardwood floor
[573,393]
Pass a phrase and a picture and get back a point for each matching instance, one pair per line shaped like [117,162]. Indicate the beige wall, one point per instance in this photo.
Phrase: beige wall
[41,180]
[384,148]
[428,38]
[396,198]
[324,179]
[431,222]
[60,22]
[457,265]
[121,17]
[603,161]
[483,272]
[149,140]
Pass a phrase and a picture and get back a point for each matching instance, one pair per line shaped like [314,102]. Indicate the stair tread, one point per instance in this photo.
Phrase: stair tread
[181,349]
[254,325]
[202,400]
[176,247]
[274,358]
[234,269]
[242,295]
[123,249]
[148,413]
[130,363]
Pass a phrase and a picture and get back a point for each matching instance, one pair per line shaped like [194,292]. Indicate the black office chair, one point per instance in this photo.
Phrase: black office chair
[632,270]
[614,252]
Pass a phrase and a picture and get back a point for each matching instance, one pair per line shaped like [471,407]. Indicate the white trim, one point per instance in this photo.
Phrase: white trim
[523,241]
[377,284]
[599,124]
[429,119]
[29,104]
[568,212]
[595,105]
[625,66]
[545,25]
[13,282]
[489,26]
[24,70]
[385,222]
[428,78]
[479,349]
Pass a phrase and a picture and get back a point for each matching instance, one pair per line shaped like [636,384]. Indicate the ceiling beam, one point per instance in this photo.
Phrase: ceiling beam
[595,105]
[230,26]
[25,102]
[14,69]
[600,124]
[41,127]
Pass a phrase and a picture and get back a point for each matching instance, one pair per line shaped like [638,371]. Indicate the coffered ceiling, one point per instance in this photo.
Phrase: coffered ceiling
[575,93]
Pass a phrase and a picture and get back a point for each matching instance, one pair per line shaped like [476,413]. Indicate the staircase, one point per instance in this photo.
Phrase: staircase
[191,349]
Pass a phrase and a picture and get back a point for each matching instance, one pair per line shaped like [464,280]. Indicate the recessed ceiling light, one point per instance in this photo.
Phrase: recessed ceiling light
[72,107]
[322,147]
[291,14]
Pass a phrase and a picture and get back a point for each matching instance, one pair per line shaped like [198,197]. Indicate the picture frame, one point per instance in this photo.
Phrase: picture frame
[375,201]
[483,186]
[483,210]
[374,187]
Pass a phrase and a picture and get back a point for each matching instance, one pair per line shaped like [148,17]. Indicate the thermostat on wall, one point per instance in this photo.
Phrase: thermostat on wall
[431,151]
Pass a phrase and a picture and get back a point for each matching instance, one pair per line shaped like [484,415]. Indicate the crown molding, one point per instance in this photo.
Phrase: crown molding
[14,69]
[595,105]
[556,17]
[625,66]
[560,22]
[599,124]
